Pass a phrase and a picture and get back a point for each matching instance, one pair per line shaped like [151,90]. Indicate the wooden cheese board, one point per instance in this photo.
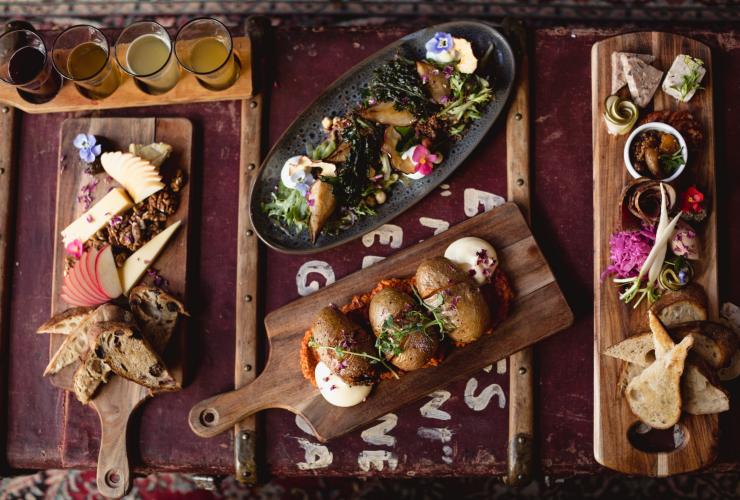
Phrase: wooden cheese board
[130,95]
[613,320]
[116,400]
[539,310]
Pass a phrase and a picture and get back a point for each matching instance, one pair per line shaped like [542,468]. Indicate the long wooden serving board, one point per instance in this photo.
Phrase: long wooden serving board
[538,310]
[117,399]
[613,320]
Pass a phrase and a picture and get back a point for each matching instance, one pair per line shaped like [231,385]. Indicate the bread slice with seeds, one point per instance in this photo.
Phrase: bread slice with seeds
[129,354]
[66,321]
[156,313]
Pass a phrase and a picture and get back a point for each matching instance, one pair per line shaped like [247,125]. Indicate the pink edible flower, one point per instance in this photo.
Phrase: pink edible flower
[75,248]
[424,160]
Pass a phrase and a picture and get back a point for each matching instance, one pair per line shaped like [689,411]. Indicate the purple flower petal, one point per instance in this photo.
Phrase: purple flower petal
[91,141]
[86,155]
[97,149]
[80,141]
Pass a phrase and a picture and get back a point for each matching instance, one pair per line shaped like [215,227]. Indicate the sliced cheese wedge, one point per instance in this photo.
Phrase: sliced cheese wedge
[97,216]
[126,169]
[136,265]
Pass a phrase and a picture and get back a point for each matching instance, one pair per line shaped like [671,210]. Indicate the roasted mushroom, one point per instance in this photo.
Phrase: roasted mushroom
[435,81]
[336,339]
[395,319]
[390,143]
[321,204]
[387,114]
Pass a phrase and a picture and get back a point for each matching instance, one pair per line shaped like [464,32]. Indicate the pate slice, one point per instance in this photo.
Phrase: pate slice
[684,67]
[642,79]
[618,79]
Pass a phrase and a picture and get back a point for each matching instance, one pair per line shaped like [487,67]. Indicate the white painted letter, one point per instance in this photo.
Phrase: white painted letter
[377,434]
[431,409]
[474,197]
[313,266]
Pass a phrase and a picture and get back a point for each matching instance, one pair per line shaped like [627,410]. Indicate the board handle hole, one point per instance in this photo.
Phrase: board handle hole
[209,417]
[112,478]
[649,440]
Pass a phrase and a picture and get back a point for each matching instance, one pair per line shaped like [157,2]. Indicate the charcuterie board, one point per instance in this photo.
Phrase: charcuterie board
[129,94]
[539,310]
[117,399]
[614,320]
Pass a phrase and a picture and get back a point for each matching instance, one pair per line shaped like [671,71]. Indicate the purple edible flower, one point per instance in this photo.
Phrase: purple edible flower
[88,147]
[444,99]
[448,71]
[442,42]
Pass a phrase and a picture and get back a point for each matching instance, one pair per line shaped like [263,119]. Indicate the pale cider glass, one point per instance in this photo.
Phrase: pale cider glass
[204,47]
[144,50]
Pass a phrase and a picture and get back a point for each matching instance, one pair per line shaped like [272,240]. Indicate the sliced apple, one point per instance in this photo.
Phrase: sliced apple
[88,277]
[72,300]
[75,288]
[107,273]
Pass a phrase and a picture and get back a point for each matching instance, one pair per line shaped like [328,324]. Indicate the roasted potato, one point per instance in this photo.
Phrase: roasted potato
[436,274]
[464,309]
[417,346]
[332,329]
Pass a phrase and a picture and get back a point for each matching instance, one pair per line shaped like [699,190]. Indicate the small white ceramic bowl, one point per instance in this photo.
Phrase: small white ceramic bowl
[662,127]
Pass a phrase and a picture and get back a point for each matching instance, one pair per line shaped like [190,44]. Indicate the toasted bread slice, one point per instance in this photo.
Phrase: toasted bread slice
[687,304]
[156,313]
[91,373]
[713,342]
[66,321]
[129,354]
[700,392]
[662,342]
[654,396]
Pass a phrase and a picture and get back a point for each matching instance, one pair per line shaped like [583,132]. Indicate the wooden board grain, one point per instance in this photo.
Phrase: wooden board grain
[613,321]
[118,398]
[538,310]
[129,95]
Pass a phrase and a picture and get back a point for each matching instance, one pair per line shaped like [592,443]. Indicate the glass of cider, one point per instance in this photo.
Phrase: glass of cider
[204,47]
[82,54]
[25,64]
[144,50]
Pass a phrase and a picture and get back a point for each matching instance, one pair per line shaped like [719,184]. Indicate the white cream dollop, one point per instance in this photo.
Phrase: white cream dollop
[336,391]
[294,171]
[475,256]
[467,61]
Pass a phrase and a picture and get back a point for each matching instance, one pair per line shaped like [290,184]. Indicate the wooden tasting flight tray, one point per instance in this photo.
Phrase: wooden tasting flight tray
[538,310]
[613,320]
[129,95]
[116,400]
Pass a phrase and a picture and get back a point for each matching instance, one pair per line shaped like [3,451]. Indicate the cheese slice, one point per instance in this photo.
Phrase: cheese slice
[136,265]
[683,66]
[97,216]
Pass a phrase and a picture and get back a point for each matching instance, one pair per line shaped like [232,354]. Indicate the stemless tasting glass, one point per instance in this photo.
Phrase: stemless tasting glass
[24,63]
[82,54]
[204,47]
[144,51]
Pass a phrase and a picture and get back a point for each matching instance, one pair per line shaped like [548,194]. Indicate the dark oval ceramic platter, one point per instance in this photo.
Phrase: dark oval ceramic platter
[345,93]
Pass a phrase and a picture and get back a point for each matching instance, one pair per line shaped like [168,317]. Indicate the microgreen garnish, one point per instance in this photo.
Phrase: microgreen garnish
[342,352]
[689,81]
[469,94]
[434,307]
[395,329]
[673,162]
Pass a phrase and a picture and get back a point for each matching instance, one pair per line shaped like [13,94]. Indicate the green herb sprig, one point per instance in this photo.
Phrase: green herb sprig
[342,353]
[690,81]
[394,330]
[673,162]
[470,93]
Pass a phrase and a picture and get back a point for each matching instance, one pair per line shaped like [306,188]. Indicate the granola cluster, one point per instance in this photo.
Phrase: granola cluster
[131,230]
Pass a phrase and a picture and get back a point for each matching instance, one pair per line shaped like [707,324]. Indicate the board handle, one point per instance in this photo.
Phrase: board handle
[220,413]
[113,475]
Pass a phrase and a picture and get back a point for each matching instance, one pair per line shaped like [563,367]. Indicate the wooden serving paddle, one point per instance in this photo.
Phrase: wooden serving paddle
[520,456]
[538,310]
[613,320]
[117,400]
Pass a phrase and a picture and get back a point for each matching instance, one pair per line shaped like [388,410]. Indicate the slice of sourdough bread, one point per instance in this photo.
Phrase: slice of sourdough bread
[91,373]
[654,395]
[66,321]
[127,352]
[687,304]
[713,342]
[156,313]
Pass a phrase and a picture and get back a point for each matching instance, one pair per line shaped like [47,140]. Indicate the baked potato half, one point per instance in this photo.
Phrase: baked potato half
[436,274]
[394,318]
[465,311]
[332,329]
